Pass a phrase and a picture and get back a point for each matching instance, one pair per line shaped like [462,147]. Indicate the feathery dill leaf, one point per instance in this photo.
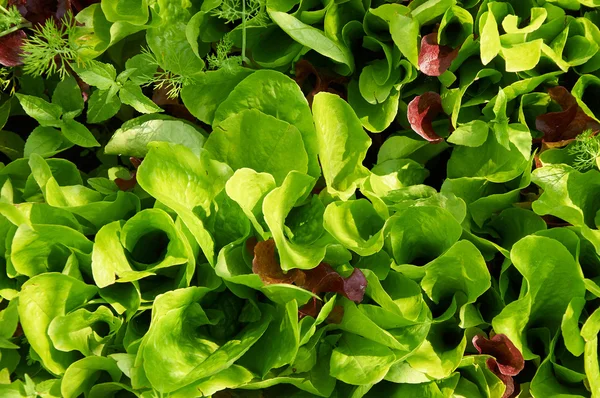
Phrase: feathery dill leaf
[234,10]
[51,48]
[585,150]
[245,10]
[222,60]
[10,18]
[7,78]
[163,79]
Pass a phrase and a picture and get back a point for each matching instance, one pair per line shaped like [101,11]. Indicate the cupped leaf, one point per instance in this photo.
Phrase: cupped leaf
[342,142]
[552,282]
[357,225]
[357,360]
[185,182]
[277,95]
[421,112]
[422,233]
[435,59]
[168,364]
[254,140]
[82,375]
[461,269]
[133,137]
[560,199]
[276,207]
[203,96]
[75,331]
[42,299]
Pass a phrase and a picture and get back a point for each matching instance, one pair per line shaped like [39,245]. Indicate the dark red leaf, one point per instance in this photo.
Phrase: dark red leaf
[355,286]
[422,110]
[566,124]
[251,244]
[324,279]
[136,162]
[336,315]
[267,267]
[507,360]
[510,360]
[312,308]
[321,279]
[10,48]
[38,11]
[126,185]
[433,58]
[72,5]
[512,389]
[85,89]
[312,81]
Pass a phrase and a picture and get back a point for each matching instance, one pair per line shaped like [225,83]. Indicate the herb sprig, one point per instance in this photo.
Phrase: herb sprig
[586,150]
[51,48]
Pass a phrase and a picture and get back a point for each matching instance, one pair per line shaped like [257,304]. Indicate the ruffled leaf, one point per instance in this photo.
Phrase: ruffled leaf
[421,112]
[435,59]
[566,124]
[321,279]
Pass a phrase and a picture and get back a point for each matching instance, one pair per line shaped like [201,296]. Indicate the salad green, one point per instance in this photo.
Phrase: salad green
[299,198]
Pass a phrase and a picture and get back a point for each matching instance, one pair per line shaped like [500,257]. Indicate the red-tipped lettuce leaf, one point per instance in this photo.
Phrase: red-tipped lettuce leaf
[512,389]
[566,124]
[435,59]
[312,308]
[321,279]
[324,279]
[507,360]
[266,265]
[422,110]
[336,315]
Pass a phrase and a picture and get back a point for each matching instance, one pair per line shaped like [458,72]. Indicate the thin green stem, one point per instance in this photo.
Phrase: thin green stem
[15,28]
[243,30]
[4,10]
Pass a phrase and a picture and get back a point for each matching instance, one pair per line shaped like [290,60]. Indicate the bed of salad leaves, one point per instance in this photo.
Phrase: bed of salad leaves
[299,198]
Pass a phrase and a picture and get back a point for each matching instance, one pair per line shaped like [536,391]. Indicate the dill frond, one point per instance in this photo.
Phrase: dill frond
[10,17]
[7,78]
[234,10]
[51,49]
[246,10]
[163,79]
[174,83]
[222,60]
[261,19]
[585,150]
